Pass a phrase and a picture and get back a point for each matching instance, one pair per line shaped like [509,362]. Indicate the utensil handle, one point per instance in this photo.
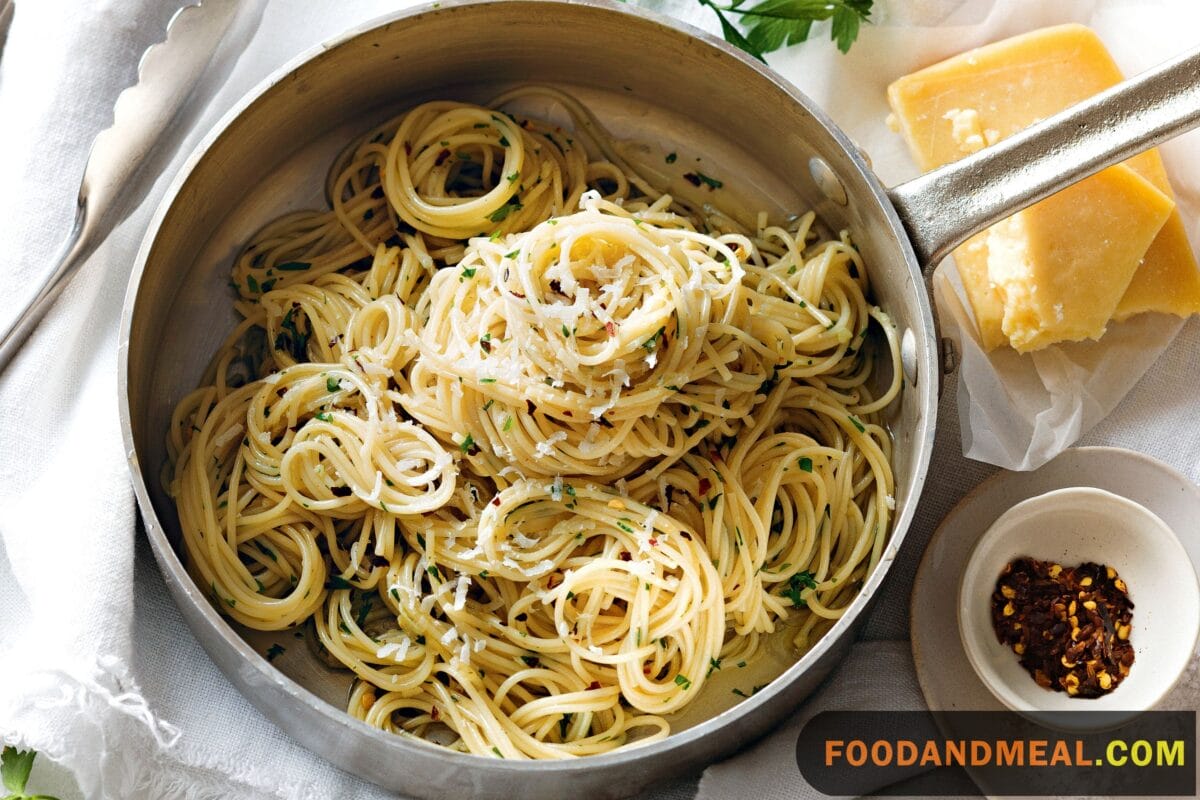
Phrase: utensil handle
[167,76]
[943,208]
[75,250]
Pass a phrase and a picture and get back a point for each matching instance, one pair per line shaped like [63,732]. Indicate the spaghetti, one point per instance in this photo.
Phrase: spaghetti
[535,460]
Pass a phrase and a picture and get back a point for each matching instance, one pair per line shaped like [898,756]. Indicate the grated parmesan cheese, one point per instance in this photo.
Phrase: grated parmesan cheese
[396,651]
[546,448]
[460,593]
[523,541]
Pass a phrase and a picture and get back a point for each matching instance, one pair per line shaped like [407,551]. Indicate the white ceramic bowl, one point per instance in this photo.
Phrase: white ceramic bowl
[1070,527]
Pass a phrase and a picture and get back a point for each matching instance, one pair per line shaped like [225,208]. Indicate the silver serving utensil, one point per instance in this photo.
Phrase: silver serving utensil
[167,73]
[7,9]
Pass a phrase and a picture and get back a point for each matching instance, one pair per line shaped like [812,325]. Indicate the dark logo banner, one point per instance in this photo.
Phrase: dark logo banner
[923,753]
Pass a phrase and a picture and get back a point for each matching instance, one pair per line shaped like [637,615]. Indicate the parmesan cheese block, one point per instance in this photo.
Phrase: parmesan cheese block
[1062,282]
[975,99]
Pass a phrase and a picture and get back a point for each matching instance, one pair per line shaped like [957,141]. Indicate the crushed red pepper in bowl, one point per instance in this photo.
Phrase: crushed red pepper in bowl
[1070,626]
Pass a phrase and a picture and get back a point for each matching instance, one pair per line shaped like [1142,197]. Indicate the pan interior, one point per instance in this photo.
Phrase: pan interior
[655,88]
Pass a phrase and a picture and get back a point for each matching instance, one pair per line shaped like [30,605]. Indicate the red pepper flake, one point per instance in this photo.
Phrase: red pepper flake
[610,328]
[567,413]
[1069,626]
[653,542]
[441,157]
[434,714]
[625,556]
[496,500]
[705,485]
[594,685]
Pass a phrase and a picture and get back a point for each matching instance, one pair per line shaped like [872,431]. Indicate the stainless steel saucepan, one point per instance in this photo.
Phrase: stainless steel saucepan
[651,81]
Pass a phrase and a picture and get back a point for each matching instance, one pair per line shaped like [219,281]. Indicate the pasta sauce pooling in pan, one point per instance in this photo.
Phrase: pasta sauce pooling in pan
[535,447]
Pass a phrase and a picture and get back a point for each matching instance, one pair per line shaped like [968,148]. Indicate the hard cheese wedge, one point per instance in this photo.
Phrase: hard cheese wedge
[1062,282]
[975,99]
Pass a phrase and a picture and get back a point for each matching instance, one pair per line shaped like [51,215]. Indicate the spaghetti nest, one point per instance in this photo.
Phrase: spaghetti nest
[532,461]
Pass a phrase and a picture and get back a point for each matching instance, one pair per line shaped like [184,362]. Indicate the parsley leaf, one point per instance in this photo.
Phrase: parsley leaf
[15,767]
[772,24]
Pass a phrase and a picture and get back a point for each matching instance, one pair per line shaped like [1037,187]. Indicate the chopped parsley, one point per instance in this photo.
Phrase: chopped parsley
[806,464]
[501,213]
[467,443]
[324,416]
[332,384]
[652,342]
[363,611]
[857,424]
[290,338]
[671,158]
[468,272]
[682,680]
[796,584]
[699,178]
[275,651]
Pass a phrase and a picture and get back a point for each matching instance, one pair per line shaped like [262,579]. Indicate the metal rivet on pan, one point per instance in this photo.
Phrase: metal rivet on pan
[949,356]
[908,356]
[826,180]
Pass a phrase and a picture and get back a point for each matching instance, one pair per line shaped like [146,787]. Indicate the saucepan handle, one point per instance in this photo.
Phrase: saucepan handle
[942,208]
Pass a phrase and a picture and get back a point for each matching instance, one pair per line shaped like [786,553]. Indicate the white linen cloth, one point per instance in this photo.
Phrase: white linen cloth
[99,673]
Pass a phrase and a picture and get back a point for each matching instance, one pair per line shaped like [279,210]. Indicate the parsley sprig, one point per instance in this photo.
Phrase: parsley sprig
[15,766]
[772,24]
